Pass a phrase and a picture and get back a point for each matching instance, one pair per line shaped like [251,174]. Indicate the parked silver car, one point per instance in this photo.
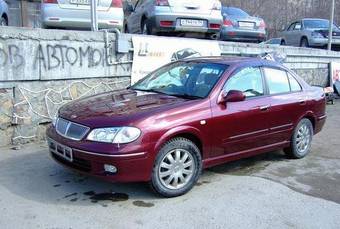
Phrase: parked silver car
[3,13]
[240,26]
[310,32]
[76,14]
[175,16]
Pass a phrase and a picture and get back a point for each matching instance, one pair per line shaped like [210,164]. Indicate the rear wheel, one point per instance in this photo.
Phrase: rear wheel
[283,42]
[301,140]
[3,22]
[177,168]
[145,27]
[304,42]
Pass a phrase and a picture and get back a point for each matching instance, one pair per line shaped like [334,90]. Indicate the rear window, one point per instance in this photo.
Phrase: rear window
[294,84]
[234,11]
[277,81]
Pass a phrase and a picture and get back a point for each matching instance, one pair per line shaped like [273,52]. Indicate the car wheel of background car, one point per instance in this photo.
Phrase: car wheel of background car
[145,28]
[177,168]
[283,42]
[3,22]
[304,42]
[301,140]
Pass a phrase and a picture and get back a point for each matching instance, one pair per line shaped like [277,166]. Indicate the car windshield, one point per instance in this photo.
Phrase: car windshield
[191,80]
[317,24]
[234,11]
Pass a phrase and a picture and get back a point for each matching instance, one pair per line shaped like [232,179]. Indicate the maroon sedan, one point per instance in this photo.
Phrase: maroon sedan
[187,116]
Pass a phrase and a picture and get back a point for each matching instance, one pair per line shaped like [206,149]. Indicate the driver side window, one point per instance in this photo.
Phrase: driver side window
[248,80]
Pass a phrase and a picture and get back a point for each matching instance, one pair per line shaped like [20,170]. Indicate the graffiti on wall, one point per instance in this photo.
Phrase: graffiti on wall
[50,57]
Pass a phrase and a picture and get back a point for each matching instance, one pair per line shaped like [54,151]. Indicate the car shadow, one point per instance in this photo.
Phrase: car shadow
[35,176]
[249,166]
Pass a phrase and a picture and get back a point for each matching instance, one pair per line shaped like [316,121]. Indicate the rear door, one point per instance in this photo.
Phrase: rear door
[287,103]
[241,127]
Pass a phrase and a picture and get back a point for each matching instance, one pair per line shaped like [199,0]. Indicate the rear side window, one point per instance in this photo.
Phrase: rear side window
[248,80]
[294,84]
[277,81]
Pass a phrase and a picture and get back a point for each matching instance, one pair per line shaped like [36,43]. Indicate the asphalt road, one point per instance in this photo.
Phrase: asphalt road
[267,191]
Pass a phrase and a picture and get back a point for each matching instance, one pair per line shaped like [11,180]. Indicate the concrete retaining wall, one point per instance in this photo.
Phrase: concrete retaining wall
[42,69]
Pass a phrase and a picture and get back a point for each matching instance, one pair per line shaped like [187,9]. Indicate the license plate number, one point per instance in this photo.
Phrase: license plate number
[60,150]
[80,2]
[192,23]
[246,24]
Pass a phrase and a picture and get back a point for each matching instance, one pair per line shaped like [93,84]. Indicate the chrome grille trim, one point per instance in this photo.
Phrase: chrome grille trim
[68,125]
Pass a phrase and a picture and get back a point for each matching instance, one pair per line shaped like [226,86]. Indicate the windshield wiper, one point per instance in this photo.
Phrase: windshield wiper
[150,90]
[187,96]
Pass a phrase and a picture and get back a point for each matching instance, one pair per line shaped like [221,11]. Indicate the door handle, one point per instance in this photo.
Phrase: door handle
[302,102]
[264,108]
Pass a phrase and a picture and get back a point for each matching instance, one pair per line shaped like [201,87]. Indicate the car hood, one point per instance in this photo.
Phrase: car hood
[117,108]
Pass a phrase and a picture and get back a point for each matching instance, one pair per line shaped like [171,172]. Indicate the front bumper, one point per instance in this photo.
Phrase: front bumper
[234,34]
[320,42]
[133,163]
[155,23]
[54,16]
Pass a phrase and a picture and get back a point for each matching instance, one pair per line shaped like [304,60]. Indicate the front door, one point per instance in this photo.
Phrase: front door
[242,126]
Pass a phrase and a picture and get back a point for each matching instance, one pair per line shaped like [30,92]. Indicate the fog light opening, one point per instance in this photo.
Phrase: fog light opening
[110,169]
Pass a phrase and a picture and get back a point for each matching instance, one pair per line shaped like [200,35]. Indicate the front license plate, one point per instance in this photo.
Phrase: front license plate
[192,23]
[246,24]
[80,2]
[60,150]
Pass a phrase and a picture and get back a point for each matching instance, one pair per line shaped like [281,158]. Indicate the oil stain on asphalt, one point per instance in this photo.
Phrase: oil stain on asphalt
[140,203]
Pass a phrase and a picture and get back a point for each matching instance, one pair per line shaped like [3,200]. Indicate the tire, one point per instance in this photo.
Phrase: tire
[304,42]
[301,140]
[145,27]
[3,22]
[283,42]
[167,171]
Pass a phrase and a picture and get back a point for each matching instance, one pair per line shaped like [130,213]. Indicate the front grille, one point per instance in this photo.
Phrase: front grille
[70,129]
[77,163]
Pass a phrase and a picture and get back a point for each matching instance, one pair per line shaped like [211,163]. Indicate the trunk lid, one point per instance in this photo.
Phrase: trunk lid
[202,7]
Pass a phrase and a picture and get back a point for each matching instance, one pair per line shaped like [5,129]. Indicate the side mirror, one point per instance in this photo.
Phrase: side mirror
[232,96]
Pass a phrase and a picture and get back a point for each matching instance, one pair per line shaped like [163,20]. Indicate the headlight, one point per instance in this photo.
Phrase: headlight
[317,35]
[117,135]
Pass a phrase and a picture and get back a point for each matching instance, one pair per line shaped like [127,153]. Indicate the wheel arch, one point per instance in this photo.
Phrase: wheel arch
[311,117]
[187,132]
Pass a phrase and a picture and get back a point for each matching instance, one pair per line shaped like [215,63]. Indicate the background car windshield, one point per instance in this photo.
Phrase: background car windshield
[234,11]
[187,79]
[322,24]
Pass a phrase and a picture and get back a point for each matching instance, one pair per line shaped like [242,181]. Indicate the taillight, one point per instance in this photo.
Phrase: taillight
[228,23]
[215,26]
[162,3]
[51,1]
[117,4]
[166,23]
[262,25]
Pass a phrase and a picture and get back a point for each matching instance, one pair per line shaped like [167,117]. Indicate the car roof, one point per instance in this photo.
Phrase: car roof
[233,61]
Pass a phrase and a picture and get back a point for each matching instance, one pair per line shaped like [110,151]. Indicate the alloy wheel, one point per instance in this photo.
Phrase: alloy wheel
[303,139]
[176,169]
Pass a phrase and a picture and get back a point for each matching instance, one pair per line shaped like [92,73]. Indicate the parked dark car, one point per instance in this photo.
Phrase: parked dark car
[310,32]
[187,116]
[240,26]
[175,17]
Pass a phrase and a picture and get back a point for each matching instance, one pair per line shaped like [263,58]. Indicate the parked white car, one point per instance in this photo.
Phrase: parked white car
[3,13]
[77,14]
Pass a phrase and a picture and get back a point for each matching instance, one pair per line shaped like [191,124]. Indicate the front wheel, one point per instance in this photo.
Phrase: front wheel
[177,168]
[301,140]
